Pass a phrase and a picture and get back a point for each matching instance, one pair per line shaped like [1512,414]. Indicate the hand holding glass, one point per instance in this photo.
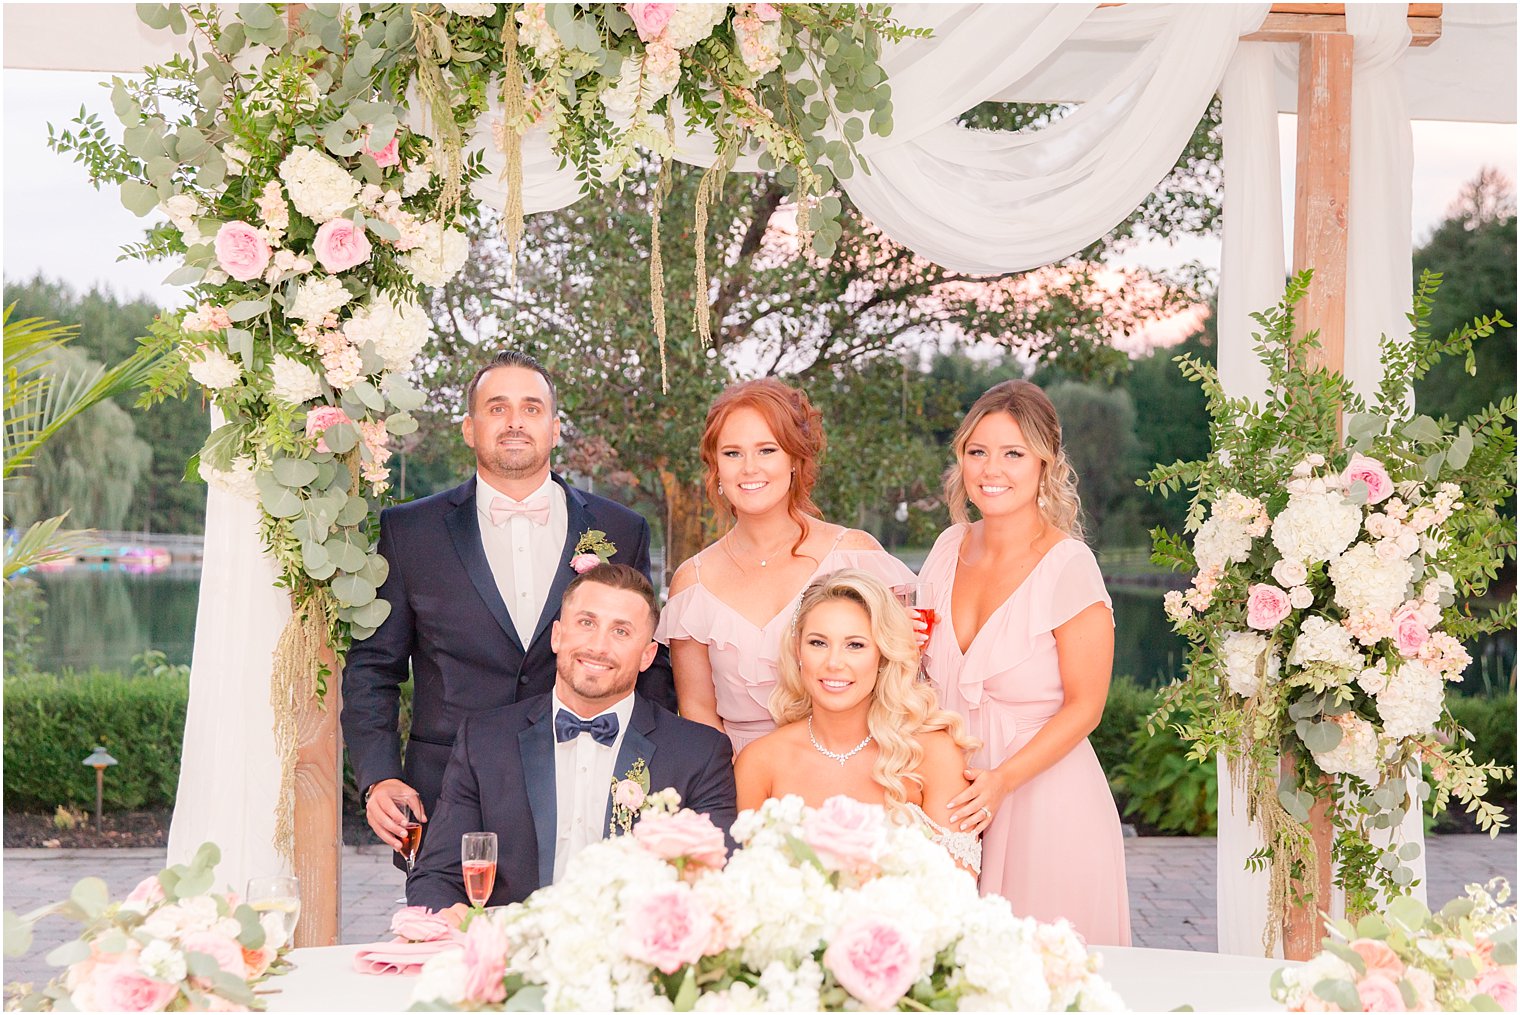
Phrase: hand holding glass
[280,895]
[919,598]
[411,842]
[477,852]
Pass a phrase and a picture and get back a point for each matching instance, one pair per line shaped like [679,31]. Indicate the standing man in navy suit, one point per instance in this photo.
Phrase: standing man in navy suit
[476,577]
[539,773]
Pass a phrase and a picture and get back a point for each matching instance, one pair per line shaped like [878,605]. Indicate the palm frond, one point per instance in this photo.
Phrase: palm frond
[46,541]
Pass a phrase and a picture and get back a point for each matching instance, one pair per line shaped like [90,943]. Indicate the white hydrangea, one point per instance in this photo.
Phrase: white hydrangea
[1411,702]
[622,99]
[162,961]
[1357,754]
[1241,656]
[396,331]
[415,179]
[442,980]
[439,256]
[1322,641]
[318,187]
[294,381]
[317,298]
[1220,541]
[215,369]
[1315,526]
[691,23]
[237,481]
[1365,582]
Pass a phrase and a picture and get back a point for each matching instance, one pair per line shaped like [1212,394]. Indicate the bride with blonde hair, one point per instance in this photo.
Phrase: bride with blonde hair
[854,719]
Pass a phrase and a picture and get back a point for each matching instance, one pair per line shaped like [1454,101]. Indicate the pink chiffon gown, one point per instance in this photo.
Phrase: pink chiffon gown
[1055,849]
[744,657]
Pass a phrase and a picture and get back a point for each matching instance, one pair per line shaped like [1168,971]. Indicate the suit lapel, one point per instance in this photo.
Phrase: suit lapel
[536,747]
[464,529]
[577,520]
[636,745]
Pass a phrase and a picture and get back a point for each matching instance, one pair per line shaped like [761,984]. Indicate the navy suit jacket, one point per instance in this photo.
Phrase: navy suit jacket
[449,623]
[501,779]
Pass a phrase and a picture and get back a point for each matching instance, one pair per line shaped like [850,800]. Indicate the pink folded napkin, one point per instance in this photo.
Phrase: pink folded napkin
[404,957]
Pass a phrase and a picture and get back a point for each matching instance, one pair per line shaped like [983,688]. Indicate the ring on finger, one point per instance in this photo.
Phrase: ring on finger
[987,812]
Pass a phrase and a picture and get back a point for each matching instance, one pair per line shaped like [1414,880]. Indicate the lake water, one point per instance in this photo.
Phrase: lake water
[102,617]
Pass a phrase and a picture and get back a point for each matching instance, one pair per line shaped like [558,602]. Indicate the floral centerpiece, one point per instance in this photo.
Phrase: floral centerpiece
[171,945]
[1330,597]
[831,908]
[1408,959]
[308,213]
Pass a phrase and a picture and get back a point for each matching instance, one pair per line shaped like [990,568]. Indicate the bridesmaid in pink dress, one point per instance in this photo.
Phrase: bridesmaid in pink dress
[1024,651]
[730,604]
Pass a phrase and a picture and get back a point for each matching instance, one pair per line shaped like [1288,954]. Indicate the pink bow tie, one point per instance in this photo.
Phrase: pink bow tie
[535,509]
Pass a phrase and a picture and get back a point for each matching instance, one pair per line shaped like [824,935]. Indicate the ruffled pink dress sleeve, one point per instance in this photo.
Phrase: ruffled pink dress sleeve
[1055,849]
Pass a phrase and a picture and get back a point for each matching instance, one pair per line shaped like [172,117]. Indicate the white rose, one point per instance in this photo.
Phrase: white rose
[1315,526]
[215,369]
[1289,573]
[294,381]
[316,298]
[318,187]
[440,255]
[237,159]
[182,210]
[1300,597]
[1411,703]
[237,481]
[1373,679]
[471,10]
[1366,582]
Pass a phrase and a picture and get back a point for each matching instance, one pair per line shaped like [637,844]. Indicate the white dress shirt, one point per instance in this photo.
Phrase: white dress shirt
[583,774]
[522,554]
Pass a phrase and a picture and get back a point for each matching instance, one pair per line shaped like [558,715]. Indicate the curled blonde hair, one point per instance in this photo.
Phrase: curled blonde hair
[1032,410]
[902,707]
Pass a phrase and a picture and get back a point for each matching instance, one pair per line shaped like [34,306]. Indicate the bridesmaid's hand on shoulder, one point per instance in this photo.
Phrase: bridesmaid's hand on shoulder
[973,809]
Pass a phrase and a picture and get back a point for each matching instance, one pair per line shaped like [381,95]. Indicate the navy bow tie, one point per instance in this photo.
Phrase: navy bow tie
[568,726]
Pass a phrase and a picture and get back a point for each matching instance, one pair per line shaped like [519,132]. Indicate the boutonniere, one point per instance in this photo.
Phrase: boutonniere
[631,799]
[591,549]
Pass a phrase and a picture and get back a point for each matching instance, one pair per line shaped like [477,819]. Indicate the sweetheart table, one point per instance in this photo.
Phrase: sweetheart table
[1148,979]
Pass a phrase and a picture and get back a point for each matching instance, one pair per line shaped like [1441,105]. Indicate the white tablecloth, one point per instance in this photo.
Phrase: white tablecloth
[1149,979]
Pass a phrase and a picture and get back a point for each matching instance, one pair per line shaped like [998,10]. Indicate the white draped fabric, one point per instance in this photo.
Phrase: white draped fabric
[982,202]
[229,777]
[1377,298]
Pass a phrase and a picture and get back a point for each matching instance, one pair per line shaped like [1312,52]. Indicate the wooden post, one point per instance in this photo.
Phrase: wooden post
[1322,188]
[319,814]
[1321,191]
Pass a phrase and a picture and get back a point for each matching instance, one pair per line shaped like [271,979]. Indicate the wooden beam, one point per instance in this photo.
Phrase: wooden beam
[1293,27]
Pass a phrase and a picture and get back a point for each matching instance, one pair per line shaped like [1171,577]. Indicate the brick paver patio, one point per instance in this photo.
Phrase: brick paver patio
[1171,887]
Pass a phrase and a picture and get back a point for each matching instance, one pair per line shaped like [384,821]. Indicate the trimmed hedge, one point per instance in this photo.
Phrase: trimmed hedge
[52,723]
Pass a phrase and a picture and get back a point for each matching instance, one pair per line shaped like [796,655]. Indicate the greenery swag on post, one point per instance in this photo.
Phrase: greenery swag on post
[1332,596]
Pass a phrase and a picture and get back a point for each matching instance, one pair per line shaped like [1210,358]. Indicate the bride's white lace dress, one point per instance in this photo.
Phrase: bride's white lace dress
[964,847]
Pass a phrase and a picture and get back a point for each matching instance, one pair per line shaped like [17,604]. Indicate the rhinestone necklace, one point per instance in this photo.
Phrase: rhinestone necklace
[841,758]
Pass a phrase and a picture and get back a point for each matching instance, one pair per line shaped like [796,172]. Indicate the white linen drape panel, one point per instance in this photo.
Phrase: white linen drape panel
[229,777]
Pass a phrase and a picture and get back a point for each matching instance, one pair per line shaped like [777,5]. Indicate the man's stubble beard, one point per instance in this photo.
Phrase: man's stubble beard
[514,464]
[564,669]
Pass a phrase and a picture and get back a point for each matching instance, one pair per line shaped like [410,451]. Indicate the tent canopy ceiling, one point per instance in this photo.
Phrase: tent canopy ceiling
[1468,74]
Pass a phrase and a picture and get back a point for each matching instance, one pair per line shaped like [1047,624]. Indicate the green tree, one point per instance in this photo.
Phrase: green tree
[1171,424]
[173,430]
[1474,249]
[1098,432]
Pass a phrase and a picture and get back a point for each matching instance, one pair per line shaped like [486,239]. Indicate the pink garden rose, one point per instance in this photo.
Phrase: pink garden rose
[322,417]
[1267,606]
[684,834]
[875,960]
[241,250]
[1498,983]
[225,950]
[583,562]
[1379,958]
[485,963]
[650,19]
[1371,472]
[387,156]
[626,793]
[340,245]
[670,928]
[148,893]
[121,987]
[256,961]
[1409,631]
[845,833]
[419,923]
[1378,993]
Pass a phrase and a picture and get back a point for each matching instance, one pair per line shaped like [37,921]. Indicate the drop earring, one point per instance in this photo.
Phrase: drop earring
[720,489]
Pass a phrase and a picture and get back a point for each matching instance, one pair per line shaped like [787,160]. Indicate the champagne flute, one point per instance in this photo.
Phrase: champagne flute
[918,597]
[411,840]
[279,894]
[478,854]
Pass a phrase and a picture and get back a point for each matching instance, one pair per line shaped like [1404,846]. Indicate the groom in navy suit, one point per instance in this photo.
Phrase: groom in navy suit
[539,773]
[476,577]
